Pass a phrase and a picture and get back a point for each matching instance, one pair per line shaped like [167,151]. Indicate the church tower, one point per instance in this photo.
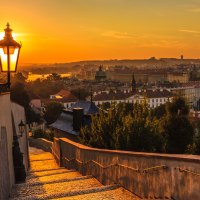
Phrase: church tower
[133,84]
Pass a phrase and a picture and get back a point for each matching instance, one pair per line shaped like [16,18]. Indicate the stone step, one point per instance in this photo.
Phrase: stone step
[42,156]
[43,165]
[52,181]
[55,177]
[101,193]
[48,173]
[45,170]
[52,189]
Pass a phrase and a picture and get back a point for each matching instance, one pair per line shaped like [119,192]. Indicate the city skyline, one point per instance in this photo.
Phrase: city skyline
[65,31]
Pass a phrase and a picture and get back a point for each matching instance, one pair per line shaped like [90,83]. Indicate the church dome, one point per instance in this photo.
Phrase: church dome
[100,74]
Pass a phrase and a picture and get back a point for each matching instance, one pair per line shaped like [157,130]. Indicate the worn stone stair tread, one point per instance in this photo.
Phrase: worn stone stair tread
[103,193]
[51,181]
[42,156]
[43,170]
[46,180]
[70,193]
[43,165]
[48,173]
[54,188]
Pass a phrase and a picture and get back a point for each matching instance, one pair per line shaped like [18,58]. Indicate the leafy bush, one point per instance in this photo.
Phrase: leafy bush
[47,134]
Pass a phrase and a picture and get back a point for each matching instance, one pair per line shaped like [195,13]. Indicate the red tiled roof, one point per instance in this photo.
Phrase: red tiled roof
[118,95]
[156,93]
[66,96]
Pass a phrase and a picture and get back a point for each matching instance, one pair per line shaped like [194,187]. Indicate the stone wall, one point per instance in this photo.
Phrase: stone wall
[19,114]
[148,175]
[6,121]
[4,165]
[7,177]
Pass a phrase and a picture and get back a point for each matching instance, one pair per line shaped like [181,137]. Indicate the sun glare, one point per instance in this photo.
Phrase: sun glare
[15,35]
[1,35]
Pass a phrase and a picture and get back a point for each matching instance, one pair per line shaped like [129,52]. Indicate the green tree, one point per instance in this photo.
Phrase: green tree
[178,107]
[176,127]
[123,128]
[159,111]
[53,111]
[54,77]
[20,96]
[80,93]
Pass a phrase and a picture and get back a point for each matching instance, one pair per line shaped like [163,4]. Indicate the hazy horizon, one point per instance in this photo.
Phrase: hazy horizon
[66,31]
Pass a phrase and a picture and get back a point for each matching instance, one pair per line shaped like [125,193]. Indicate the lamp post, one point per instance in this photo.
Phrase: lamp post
[9,55]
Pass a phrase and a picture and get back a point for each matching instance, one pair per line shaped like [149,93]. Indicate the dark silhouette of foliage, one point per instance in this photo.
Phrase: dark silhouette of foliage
[176,127]
[159,111]
[53,111]
[44,88]
[20,96]
[178,132]
[178,107]
[80,93]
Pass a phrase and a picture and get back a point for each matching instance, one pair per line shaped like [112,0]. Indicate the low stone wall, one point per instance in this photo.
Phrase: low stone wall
[41,143]
[148,175]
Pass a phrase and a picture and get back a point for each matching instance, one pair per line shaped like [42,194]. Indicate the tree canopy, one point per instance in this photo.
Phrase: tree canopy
[139,128]
[53,111]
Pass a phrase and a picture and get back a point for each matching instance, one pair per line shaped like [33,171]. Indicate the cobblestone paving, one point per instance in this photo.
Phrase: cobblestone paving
[47,181]
[47,173]
[116,194]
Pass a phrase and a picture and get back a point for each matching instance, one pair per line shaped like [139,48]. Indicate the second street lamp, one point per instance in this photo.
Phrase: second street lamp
[9,55]
[21,128]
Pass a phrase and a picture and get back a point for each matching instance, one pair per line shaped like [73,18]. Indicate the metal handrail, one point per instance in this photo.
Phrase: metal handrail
[116,164]
[188,171]
[154,168]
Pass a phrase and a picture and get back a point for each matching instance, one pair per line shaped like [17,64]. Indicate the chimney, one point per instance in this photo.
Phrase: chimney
[77,118]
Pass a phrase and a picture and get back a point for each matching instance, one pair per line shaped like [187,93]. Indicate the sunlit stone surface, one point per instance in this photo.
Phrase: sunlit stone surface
[46,180]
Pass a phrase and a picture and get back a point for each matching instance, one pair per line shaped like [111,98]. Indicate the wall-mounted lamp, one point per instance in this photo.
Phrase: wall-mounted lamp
[21,128]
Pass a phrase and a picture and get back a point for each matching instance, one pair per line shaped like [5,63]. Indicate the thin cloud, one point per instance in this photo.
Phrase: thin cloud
[117,35]
[194,10]
[189,31]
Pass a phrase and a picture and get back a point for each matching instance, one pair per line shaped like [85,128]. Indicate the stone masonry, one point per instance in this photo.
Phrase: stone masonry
[48,181]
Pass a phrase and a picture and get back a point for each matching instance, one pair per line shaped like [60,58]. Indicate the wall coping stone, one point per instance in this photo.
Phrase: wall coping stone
[178,157]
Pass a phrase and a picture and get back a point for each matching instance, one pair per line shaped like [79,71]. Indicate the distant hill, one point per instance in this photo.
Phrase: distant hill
[139,63]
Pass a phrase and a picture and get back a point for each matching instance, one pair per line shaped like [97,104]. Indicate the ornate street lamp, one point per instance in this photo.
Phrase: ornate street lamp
[21,128]
[9,55]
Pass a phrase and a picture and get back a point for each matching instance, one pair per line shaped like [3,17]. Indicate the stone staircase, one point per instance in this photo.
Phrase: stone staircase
[46,180]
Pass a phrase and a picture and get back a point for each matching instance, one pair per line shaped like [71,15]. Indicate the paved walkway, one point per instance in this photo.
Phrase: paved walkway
[46,180]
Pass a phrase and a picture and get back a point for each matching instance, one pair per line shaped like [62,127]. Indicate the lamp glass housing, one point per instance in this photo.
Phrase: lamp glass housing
[21,127]
[9,52]
[9,58]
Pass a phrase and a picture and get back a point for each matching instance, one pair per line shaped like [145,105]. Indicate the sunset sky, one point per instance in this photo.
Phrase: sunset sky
[72,30]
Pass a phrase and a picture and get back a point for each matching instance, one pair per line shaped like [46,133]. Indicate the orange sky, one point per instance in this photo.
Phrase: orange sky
[71,30]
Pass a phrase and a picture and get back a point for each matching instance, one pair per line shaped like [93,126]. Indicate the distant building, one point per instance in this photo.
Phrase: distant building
[65,97]
[113,96]
[71,120]
[154,98]
[144,75]
[100,75]
[181,77]
[36,105]
[190,91]
[133,84]
[88,107]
